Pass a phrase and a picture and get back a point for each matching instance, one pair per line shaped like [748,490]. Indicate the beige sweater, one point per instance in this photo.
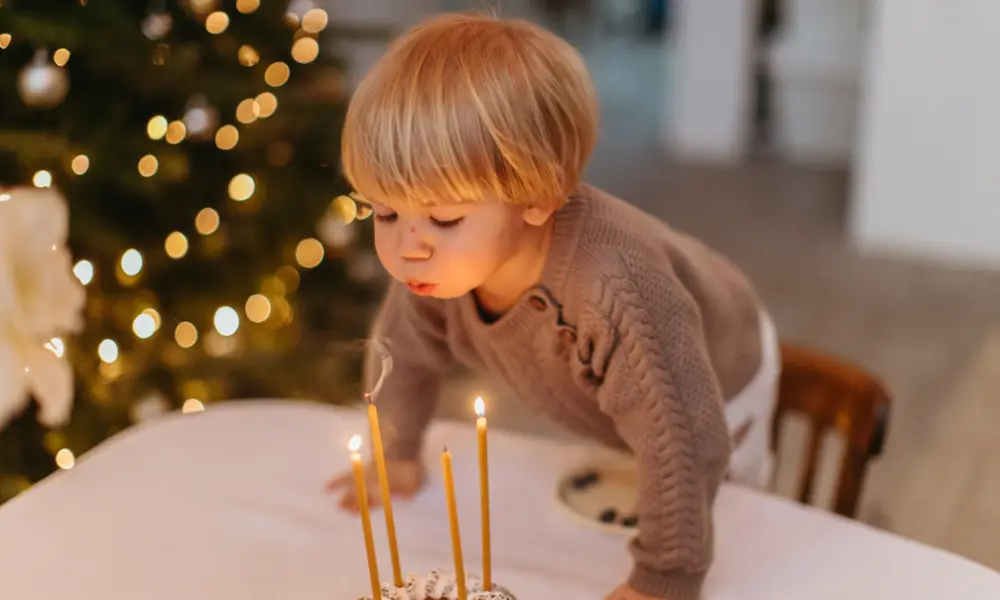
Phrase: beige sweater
[635,336]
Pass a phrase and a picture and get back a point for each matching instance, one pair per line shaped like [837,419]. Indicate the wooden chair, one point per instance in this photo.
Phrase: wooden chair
[833,395]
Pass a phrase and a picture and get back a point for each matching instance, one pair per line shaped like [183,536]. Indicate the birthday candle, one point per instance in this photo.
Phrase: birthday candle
[484,492]
[366,519]
[383,481]
[456,541]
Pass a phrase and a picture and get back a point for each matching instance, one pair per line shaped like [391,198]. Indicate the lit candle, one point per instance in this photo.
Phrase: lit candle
[383,482]
[484,491]
[456,541]
[366,519]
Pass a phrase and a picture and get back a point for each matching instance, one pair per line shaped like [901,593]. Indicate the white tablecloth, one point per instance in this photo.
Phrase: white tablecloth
[228,505]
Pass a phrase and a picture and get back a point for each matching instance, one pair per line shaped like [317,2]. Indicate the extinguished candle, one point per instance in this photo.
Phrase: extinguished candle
[484,492]
[456,540]
[383,482]
[366,519]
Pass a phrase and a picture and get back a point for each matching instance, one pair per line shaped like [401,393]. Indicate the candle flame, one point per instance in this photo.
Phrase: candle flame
[480,407]
[355,444]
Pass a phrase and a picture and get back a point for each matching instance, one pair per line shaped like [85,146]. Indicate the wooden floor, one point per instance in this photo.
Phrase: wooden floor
[931,332]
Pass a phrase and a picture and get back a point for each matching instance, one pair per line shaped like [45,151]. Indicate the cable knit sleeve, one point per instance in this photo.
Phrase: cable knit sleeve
[413,330]
[658,386]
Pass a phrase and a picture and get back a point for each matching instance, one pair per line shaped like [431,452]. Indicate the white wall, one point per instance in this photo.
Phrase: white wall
[712,57]
[928,169]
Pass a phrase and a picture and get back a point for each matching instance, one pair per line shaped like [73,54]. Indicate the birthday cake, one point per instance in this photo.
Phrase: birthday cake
[438,585]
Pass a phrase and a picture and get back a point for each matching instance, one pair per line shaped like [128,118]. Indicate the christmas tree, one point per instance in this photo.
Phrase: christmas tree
[197,146]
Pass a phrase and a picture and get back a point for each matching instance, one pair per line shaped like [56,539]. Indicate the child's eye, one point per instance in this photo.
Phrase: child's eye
[389,218]
[447,224]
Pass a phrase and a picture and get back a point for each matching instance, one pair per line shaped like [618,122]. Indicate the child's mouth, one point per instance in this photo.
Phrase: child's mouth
[421,288]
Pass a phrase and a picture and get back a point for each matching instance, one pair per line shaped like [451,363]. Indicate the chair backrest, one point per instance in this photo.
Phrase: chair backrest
[833,395]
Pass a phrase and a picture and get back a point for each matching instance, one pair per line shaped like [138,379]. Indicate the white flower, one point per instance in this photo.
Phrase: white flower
[40,299]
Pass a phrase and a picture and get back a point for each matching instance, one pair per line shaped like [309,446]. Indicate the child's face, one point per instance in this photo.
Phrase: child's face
[447,251]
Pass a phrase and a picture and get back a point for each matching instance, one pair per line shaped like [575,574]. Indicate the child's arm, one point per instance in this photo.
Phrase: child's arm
[654,378]
[412,328]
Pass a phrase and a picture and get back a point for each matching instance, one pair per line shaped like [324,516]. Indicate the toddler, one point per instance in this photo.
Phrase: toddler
[468,139]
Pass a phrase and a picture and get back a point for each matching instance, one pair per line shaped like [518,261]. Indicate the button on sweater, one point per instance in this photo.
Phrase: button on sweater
[636,335]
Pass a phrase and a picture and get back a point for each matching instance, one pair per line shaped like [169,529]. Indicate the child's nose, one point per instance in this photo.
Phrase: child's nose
[413,248]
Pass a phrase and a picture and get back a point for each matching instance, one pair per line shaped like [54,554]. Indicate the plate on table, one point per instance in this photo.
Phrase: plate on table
[601,495]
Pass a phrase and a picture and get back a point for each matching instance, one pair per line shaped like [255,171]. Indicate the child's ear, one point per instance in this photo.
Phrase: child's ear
[537,216]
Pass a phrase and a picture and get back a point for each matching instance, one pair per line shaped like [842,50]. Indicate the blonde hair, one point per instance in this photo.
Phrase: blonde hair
[468,107]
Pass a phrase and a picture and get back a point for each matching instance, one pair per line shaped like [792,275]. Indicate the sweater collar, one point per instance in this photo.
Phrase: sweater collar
[566,233]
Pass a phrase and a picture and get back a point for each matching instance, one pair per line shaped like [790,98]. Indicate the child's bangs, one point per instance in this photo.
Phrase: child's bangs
[410,158]
[415,177]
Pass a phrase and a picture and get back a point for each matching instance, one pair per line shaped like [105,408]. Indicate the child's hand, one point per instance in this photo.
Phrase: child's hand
[625,592]
[406,478]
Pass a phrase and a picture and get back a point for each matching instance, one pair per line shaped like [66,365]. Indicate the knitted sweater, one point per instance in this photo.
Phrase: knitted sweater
[635,335]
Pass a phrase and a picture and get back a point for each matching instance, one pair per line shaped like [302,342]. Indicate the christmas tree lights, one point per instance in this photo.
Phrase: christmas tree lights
[197,145]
